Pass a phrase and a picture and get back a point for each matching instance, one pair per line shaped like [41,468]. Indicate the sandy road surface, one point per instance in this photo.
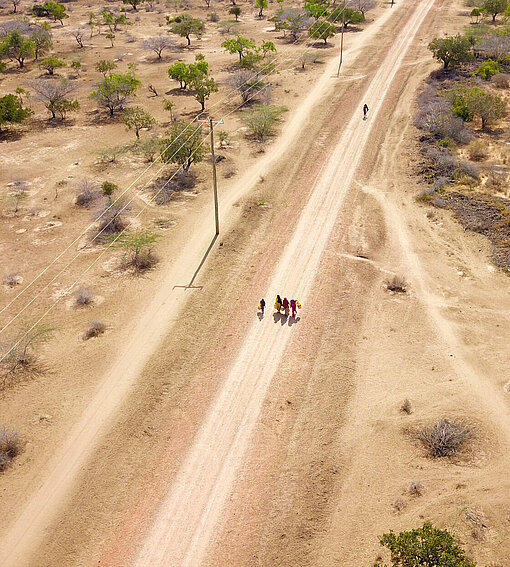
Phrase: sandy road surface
[189,516]
[21,539]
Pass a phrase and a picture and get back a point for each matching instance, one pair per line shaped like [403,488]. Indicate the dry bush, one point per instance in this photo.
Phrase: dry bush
[111,222]
[164,187]
[10,447]
[415,488]
[229,172]
[444,438]
[407,407]
[477,150]
[399,504]
[143,262]
[397,284]
[86,193]
[436,117]
[83,296]
[12,279]
[501,80]
[95,329]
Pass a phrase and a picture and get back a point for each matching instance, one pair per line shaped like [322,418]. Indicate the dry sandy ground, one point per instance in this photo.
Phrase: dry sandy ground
[328,455]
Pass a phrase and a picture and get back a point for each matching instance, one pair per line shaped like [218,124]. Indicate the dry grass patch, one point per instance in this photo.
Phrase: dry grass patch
[397,284]
[95,329]
[10,447]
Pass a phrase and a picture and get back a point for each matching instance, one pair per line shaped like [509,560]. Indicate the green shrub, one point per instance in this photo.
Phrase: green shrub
[488,69]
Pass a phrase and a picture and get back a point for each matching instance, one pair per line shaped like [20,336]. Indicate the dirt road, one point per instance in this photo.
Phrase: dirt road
[22,538]
[189,516]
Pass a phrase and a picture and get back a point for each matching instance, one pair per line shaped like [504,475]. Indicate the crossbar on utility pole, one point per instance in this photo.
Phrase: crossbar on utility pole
[211,122]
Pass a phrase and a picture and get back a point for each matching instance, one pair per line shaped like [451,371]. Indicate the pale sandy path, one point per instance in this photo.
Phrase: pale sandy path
[20,540]
[189,516]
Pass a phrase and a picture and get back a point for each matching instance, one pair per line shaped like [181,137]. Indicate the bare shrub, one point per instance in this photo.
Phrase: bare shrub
[87,193]
[397,284]
[164,187]
[229,172]
[467,168]
[83,296]
[110,223]
[399,504]
[437,118]
[501,80]
[442,161]
[477,150]
[444,438]
[213,17]
[95,329]
[10,447]
[12,279]
[415,488]
[143,262]
[407,407]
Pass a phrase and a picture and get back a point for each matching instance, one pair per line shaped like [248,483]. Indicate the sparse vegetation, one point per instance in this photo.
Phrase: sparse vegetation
[415,488]
[138,248]
[83,296]
[95,329]
[444,438]
[407,407]
[10,447]
[397,284]
[184,145]
[262,120]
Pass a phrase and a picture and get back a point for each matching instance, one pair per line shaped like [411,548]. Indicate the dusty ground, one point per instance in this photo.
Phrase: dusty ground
[329,456]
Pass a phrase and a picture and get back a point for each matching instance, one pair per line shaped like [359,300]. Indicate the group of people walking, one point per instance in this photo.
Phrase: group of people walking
[293,305]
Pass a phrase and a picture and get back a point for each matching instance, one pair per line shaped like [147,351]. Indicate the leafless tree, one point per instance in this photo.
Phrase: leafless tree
[54,94]
[78,36]
[158,44]
[246,83]
[362,6]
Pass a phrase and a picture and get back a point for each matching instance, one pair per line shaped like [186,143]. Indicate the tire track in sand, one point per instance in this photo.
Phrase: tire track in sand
[189,516]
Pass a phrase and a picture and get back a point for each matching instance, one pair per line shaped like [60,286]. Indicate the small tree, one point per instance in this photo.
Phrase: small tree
[316,10]
[114,90]
[169,106]
[424,547]
[111,37]
[261,4]
[203,86]
[235,11]
[452,51]
[133,3]
[179,71]
[246,83]
[322,30]
[78,35]
[50,8]
[362,6]
[51,63]
[12,111]
[18,193]
[42,39]
[76,67]
[158,44]
[17,46]
[105,67]
[15,4]
[494,7]
[138,246]
[263,119]
[185,25]
[488,107]
[136,118]
[108,189]
[476,14]
[488,69]
[240,45]
[184,146]
[55,95]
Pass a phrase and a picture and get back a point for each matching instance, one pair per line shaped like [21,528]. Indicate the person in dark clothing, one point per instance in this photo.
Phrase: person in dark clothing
[365,111]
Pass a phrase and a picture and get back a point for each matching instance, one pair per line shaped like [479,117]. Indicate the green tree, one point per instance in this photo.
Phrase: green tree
[184,146]
[16,46]
[51,63]
[424,547]
[169,106]
[240,45]
[452,51]
[487,107]
[114,90]
[76,67]
[203,86]
[322,30]
[347,16]
[42,39]
[263,119]
[108,189]
[12,111]
[476,14]
[185,25]
[136,118]
[138,245]
[179,72]
[133,3]
[316,10]
[111,37]
[235,11]
[494,7]
[261,4]
[105,67]
[51,8]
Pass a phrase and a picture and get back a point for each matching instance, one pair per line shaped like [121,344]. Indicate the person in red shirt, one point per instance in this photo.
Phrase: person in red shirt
[286,306]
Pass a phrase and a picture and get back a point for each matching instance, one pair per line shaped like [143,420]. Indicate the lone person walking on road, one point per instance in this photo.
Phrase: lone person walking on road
[262,305]
[365,111]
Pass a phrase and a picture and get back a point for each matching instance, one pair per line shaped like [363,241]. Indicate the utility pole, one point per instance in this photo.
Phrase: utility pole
[341,41]
[215,184]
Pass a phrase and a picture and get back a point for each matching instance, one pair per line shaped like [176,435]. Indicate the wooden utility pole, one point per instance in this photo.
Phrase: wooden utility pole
[341,41]
[215,182]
